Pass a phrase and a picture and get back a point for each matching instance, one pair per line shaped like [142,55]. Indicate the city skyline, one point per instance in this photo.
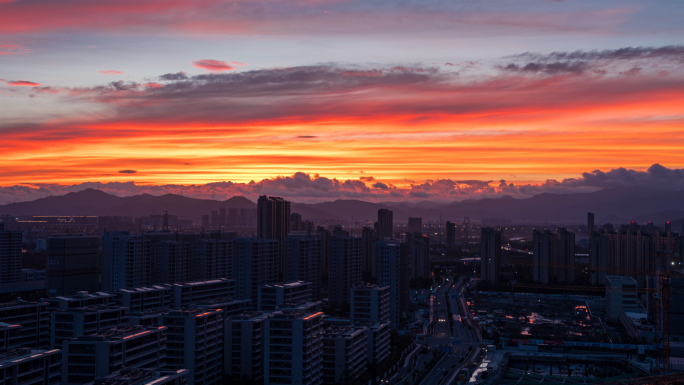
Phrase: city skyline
[416,100]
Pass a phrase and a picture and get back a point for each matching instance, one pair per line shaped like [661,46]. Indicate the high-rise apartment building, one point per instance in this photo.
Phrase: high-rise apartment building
[10,255]
[244,346]
[172,261]
[450,236]
[415,225]
[370,304]
[598,258]
[273,223]
[566,257]
[256,264]
[126,261]
[490,254]
[73,264]
[554,257]
[369,242]
[296,222]
[590,222]
[385,224]
[393,271]
[544,246]
[293,348]
[303,260]
[419,255]
[212,259]
[195,342]
[324,235]
[345,267]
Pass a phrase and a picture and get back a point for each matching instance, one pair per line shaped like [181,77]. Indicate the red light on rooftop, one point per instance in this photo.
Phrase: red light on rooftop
[313,315]
[136,335]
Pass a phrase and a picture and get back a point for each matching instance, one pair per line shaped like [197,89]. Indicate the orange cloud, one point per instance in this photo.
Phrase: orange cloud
[399,126]
[111,72]
[20,83]
[212,65]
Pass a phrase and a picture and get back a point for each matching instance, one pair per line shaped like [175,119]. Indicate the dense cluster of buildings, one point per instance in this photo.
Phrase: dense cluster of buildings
[193,308]
[633,250]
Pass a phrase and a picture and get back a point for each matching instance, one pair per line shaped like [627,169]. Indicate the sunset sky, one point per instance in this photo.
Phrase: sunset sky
[324,99]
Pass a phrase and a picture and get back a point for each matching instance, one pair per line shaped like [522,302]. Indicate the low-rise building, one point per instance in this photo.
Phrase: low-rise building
[10,335]
[34,319]
[229,307]
[30,367]
[189,293]
[273,296]
[142,299]
[88,358]
[65,324]
[345,354]
[378,342]
[80,300]
[144,377]
[621,296]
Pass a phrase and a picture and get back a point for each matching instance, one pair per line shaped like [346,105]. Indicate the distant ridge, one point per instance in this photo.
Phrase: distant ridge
[95,202]
[619,204]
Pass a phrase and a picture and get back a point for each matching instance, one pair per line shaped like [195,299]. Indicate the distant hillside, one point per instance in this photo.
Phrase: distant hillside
[95,202]
[615,205]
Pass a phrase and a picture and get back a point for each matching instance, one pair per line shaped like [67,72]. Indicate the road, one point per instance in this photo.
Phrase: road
[461,343]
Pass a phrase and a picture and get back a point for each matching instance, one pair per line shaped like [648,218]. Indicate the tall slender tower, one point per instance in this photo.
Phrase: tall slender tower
[10,255]
[450,236]
[273,222]
[393,271]
[490,254]
[385,226]
[166,220]
[415,225]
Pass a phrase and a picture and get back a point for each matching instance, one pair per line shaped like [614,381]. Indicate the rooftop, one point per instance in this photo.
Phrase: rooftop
[144,289]
[120,333]
[14,356]
[139,376]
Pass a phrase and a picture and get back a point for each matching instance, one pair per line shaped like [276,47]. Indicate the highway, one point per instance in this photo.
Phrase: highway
[461,343]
